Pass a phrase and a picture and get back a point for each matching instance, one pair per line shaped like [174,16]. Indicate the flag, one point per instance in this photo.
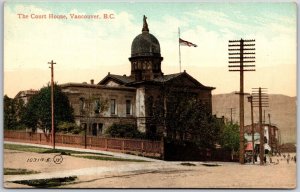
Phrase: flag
[186,43]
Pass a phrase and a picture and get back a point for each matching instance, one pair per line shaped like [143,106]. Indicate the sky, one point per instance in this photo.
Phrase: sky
[85,49]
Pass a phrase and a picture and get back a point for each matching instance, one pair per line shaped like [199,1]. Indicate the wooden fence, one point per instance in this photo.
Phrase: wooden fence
[134,146]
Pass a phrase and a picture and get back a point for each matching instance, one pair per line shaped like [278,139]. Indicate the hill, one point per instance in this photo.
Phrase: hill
[282,110]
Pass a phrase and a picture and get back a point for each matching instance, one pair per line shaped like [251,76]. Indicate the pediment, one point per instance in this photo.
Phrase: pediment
[185,80]
[112,83]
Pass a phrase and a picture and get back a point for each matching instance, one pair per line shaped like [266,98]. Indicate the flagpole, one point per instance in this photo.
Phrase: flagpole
[179,50]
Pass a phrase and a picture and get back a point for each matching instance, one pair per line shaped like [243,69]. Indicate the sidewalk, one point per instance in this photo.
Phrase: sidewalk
[114,154]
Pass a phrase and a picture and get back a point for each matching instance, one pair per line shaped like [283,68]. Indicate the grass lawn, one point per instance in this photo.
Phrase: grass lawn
[108,158]
[27,148]
[87,155]
[10,171]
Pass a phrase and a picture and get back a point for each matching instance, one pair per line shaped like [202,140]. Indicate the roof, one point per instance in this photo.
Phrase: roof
[65,86]
[129,81]
[166,78]
[122,79]
[26,93]
[256,126]
[170,77]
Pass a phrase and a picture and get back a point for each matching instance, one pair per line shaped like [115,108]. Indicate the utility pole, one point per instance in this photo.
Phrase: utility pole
[260,100]
[52,103]
[264,122]
[242,44]
[250,99]
[232,110]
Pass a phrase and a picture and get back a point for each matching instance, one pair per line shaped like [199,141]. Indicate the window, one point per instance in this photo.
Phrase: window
[113,106]
[81,105]
[97,106]
[128,107]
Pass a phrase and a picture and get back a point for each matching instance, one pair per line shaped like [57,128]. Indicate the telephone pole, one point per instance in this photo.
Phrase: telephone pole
[260,100]
[250,99]
[241,59]
[52,103]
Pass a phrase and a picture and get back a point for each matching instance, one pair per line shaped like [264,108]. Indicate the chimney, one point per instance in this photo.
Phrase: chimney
[92,81]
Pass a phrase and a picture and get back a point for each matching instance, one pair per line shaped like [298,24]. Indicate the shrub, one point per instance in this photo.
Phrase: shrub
[67,127]
[124,131]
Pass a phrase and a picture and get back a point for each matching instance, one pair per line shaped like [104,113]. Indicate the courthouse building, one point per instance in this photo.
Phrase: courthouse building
[130,99]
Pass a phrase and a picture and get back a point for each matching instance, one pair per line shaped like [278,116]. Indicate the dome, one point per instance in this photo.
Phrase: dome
[145,44]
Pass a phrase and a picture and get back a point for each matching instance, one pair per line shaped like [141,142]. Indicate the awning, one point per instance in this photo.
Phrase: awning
[249,147]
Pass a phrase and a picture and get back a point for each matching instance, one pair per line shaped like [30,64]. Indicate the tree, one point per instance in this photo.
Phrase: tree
[189,119]
[38,110]
[13,108]
[230,137]
[185,117]
[68,128]
[10,120]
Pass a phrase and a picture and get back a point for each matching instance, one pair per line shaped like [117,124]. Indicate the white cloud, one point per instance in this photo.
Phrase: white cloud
[74,44]
[102,44]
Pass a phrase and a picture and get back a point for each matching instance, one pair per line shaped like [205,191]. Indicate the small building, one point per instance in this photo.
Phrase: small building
[26,95]
[270,135]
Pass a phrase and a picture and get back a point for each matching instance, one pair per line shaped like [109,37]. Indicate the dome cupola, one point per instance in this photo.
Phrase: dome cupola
[145,55]
[145,44]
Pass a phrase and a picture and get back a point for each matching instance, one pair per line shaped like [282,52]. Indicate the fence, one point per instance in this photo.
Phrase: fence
[134,146]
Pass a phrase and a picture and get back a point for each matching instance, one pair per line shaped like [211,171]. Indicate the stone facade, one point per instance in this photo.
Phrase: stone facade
[97,107]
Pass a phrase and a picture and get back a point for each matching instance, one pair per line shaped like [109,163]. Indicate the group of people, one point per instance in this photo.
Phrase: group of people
[287,157]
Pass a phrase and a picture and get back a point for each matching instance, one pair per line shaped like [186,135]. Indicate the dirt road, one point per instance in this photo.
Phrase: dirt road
[157,174]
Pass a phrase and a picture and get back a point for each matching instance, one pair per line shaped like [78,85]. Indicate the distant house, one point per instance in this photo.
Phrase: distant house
[270,135]
[26,95]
